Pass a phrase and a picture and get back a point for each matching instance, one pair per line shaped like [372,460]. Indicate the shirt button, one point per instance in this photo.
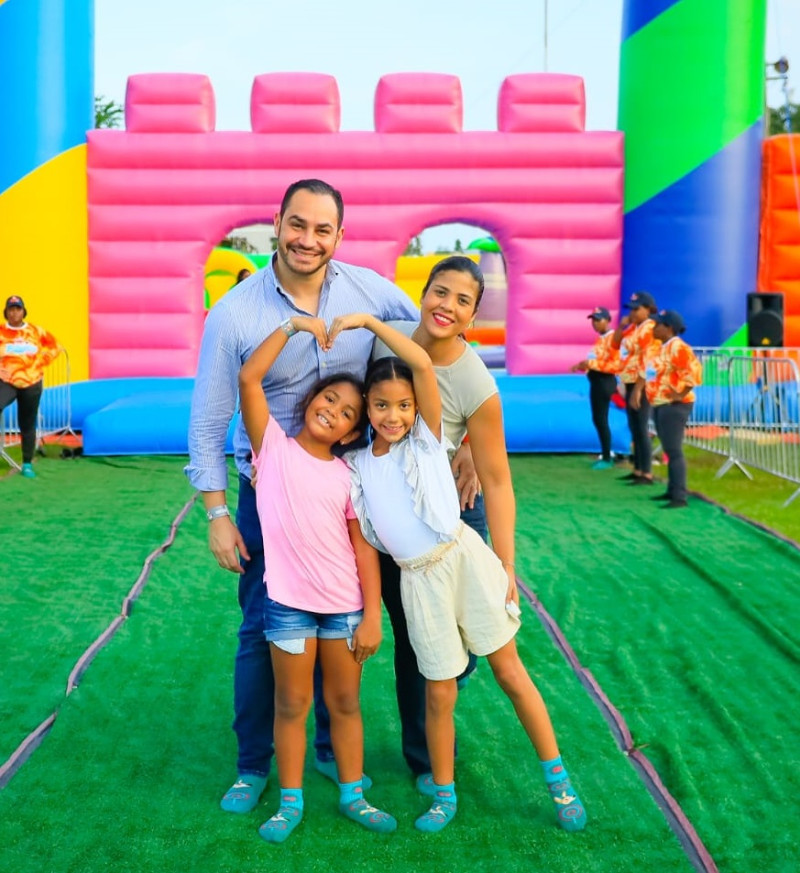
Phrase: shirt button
[324,365]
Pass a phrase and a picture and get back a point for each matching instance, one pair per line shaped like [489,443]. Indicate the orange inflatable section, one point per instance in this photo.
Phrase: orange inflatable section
[486,336]
[779,247]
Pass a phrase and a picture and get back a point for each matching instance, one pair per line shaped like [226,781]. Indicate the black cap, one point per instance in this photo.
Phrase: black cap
[600,312]
[671,318]
[14,300]
[641,298]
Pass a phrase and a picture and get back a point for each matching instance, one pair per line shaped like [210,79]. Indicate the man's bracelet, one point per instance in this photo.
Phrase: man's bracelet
[217,511]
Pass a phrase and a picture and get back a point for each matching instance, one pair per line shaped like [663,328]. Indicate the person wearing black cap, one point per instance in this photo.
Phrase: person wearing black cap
[601,366]
[25,350]
[671,379]
[634,338]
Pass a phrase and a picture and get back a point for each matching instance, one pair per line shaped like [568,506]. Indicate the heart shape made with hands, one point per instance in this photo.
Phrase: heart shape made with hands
[325,334]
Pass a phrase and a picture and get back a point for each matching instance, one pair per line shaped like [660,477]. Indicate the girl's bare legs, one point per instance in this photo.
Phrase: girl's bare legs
[440,732]
[440,729]
[341,684]
[294,693]
[511,675]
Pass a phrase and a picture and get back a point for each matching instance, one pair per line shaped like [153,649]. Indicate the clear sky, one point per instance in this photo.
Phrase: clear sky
[480,41]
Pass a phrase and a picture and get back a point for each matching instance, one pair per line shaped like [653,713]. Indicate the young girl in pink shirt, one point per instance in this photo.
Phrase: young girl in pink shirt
[322,577]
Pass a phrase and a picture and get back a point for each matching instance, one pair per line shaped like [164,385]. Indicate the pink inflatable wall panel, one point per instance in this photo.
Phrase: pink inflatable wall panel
[166,190]
[303,102]
[543,103]
[419,102]
[184,104]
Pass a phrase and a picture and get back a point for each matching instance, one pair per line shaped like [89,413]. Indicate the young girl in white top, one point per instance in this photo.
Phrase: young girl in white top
[322,577]
[455,589]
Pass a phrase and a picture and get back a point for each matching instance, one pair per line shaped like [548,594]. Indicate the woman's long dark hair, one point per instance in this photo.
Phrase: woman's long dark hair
[457,264]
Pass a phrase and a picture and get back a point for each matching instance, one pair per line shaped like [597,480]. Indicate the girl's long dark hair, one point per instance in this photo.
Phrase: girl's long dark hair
[387,370]
[321,384]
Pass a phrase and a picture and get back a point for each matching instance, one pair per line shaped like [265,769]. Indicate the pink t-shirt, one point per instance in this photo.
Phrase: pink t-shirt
[303,506]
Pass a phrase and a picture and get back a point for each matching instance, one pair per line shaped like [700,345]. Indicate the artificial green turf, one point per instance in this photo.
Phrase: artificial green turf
[130,777]
[687,619]
[761,498]
[74,541]
[690,621]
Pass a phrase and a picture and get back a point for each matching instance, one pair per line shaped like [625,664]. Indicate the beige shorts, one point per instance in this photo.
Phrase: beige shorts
[454,598]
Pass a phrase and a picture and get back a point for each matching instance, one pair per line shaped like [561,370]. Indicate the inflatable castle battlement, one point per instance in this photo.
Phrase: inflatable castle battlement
[164,191]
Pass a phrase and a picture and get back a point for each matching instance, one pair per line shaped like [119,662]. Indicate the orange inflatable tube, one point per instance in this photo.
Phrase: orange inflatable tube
[779,247]
[486,336]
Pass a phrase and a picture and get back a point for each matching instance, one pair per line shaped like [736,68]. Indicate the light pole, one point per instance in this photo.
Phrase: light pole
[545,36]
[781,67]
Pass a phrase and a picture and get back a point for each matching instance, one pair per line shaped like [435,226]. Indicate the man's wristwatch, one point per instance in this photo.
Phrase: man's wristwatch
[288,328]
[217,511]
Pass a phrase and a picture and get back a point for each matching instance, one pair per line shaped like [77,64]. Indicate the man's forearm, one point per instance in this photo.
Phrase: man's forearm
[213,498]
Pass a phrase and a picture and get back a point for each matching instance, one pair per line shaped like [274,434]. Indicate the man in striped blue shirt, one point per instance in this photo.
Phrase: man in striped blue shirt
[301,279]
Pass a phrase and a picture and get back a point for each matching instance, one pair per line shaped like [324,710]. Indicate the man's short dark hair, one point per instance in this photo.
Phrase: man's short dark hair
[315,186]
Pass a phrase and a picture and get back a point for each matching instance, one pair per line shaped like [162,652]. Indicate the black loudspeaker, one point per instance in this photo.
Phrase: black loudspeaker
[765,319]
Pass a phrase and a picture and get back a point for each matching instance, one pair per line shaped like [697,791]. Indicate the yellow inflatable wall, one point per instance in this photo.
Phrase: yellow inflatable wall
[43,233]
[413,271]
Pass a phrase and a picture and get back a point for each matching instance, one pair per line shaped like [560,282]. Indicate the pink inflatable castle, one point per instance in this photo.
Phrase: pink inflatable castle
[165,190]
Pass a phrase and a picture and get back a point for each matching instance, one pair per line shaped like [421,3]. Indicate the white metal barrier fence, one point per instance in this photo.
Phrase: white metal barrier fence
[748,410]
[55,413]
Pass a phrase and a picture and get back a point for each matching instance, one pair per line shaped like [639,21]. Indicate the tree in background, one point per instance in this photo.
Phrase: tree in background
[776,119]
[239,244]
[108,113]
[414,247]
[456,248]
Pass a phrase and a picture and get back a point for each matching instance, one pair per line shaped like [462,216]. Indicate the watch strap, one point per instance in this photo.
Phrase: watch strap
[217,511]
[288,328]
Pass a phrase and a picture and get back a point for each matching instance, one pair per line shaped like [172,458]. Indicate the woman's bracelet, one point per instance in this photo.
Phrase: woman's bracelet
[509,564]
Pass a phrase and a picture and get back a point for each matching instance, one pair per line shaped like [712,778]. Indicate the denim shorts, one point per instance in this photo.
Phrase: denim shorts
[289,627]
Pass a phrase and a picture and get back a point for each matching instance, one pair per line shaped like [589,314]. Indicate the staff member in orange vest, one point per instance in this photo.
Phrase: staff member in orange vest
[672,375]
[633,337]
[601,366]
[25,350]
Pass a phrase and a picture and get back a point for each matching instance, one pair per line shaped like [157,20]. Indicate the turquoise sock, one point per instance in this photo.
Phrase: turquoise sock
[244,794]
[569,809]
[330,771]
[350,791]
[442,811]
[554,771]
[286,819]
[362,812]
